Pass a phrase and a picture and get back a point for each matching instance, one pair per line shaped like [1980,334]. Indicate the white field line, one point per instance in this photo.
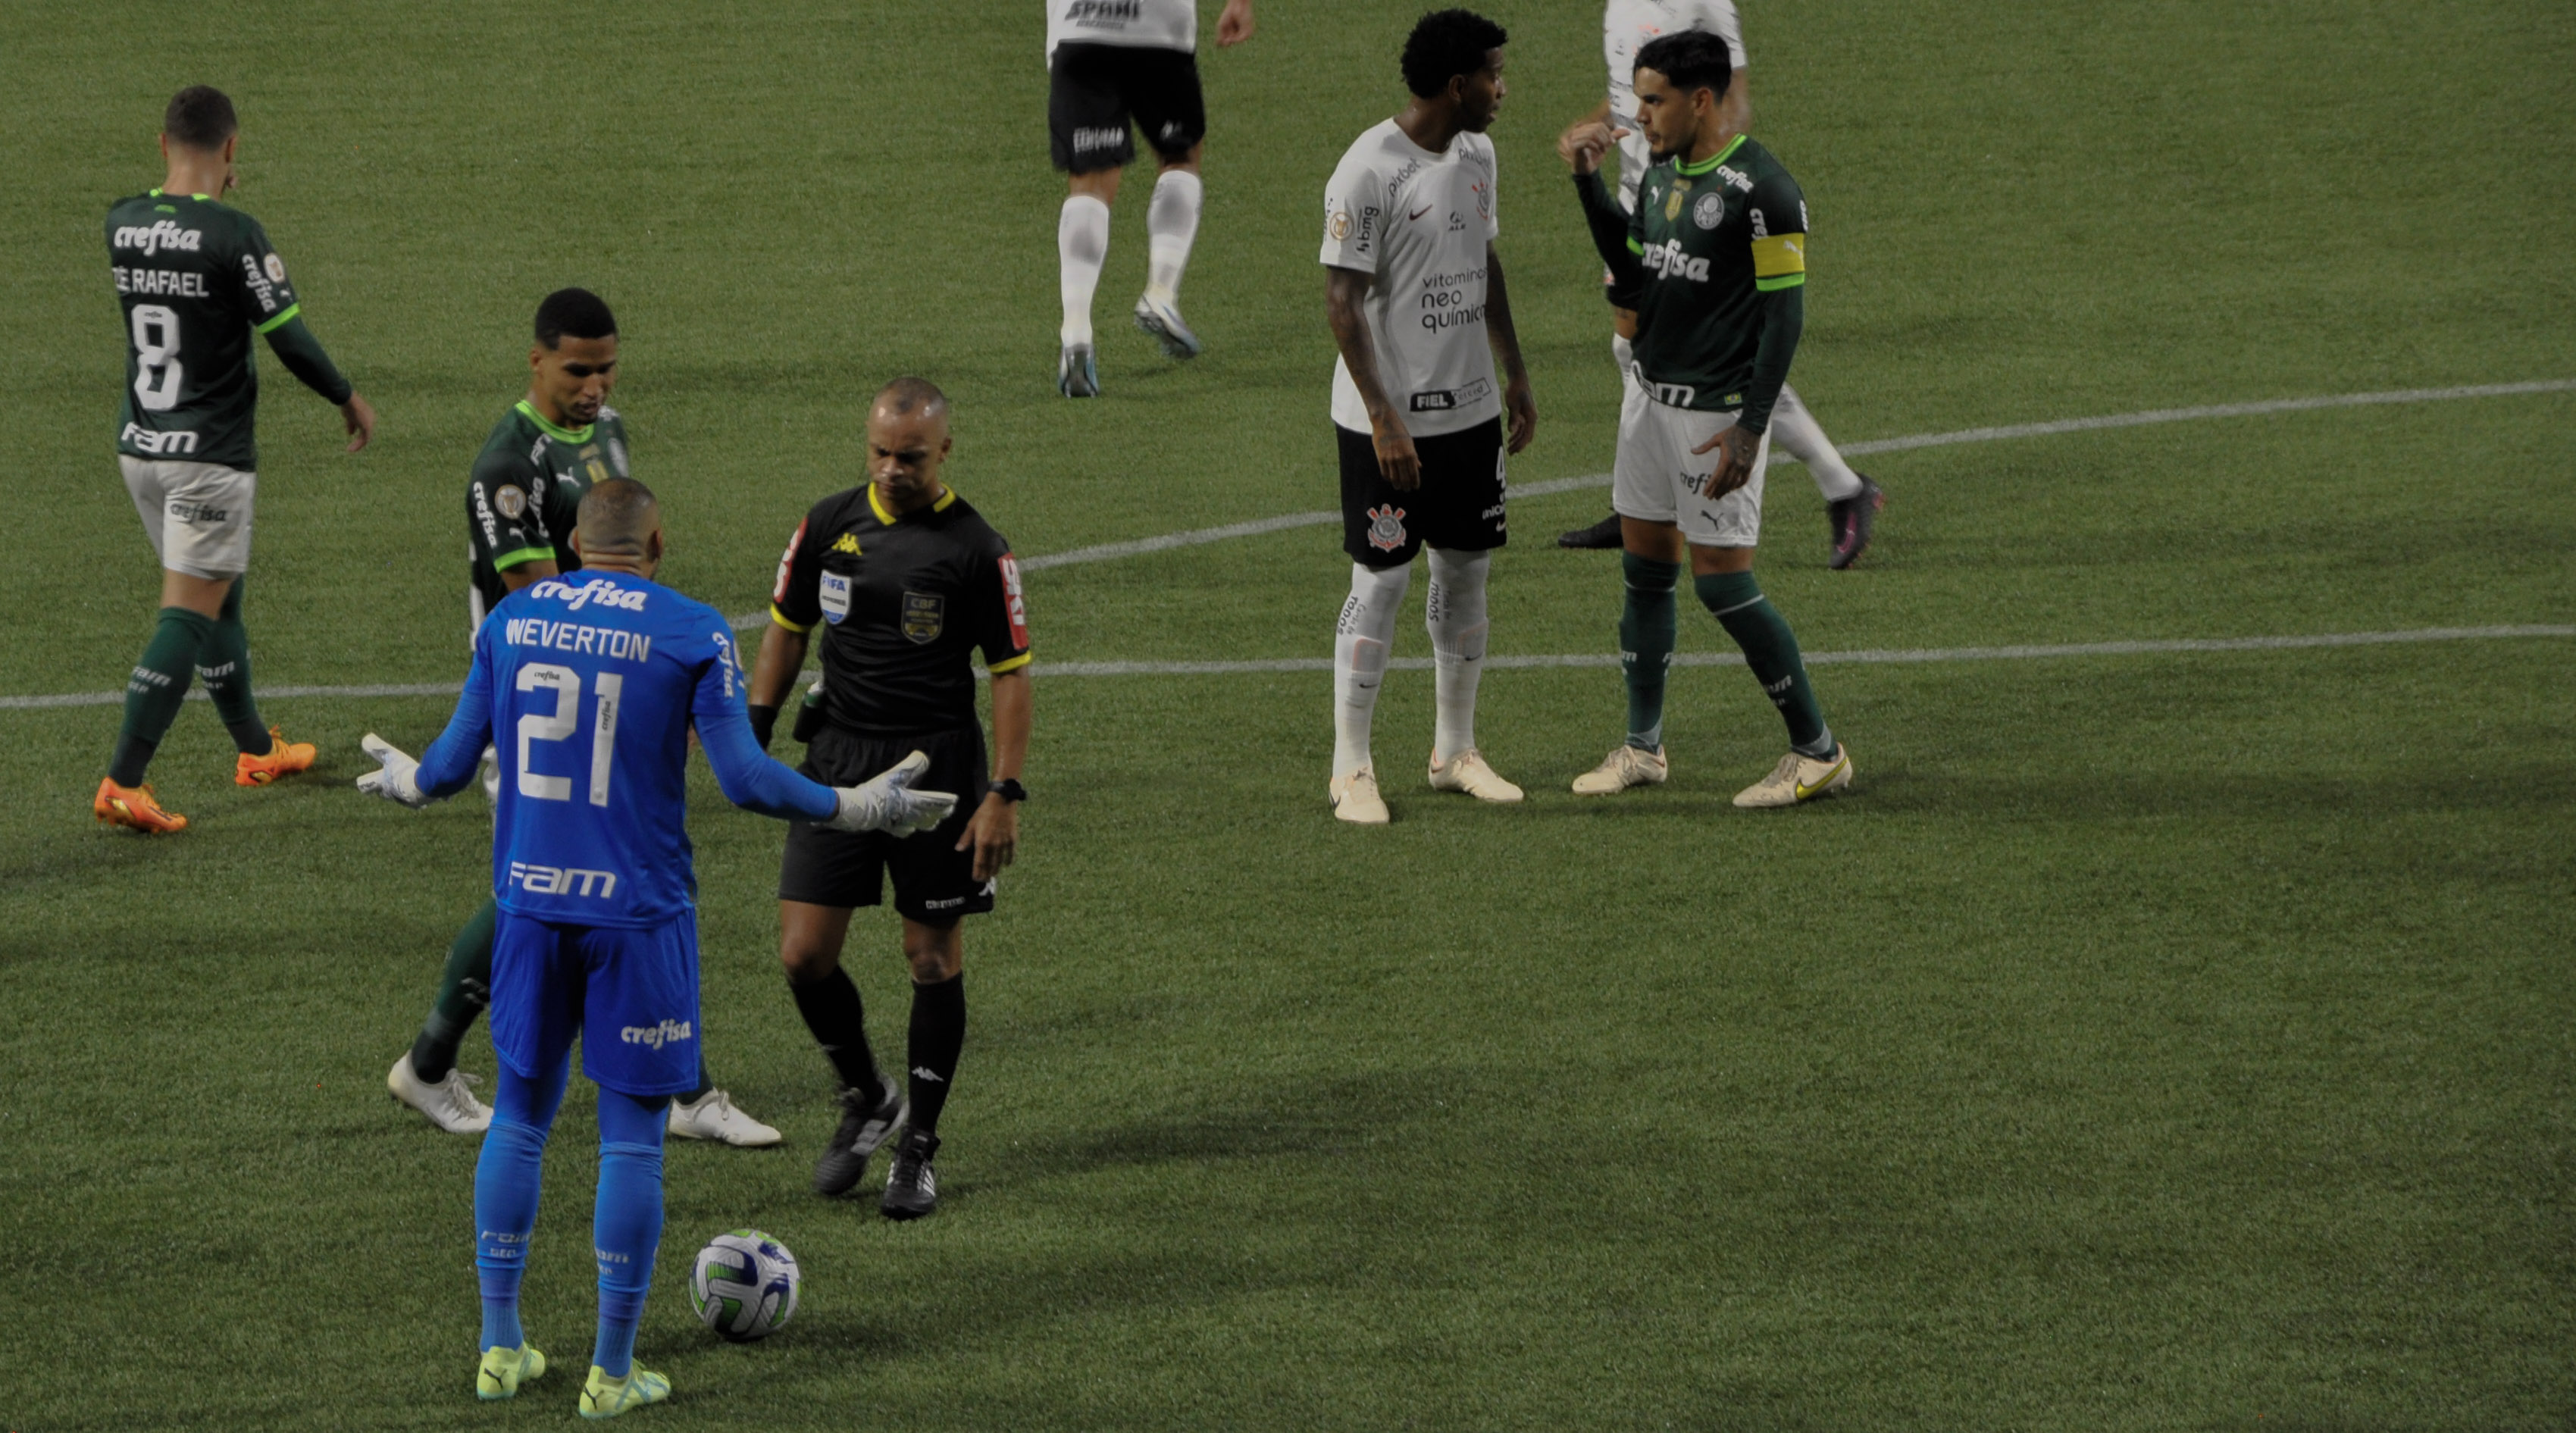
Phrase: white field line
[1112,551]
[1871,657]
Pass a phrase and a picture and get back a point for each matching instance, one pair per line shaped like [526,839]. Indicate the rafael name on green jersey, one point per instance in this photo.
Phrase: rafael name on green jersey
[526,492]
[196,279]
[1706,243]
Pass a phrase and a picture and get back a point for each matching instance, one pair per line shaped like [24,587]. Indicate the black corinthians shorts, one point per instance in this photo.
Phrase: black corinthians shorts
[1094,91]
[1459,505]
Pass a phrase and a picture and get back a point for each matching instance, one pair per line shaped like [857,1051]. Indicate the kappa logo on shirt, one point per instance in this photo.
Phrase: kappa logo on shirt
[847,542]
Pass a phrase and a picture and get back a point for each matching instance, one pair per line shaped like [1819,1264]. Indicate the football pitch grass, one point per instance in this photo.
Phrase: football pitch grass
[2154,1040]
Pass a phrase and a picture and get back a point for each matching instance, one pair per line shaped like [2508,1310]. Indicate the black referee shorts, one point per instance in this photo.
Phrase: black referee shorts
[1459,506]
[1093,91]
[933,882]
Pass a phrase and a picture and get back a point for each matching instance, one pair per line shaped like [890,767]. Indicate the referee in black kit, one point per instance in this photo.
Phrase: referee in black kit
[906,581]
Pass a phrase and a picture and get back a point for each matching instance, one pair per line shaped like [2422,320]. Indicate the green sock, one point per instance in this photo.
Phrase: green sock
[1771,650]
[464,988]
[1646,644]
[153,693]
[224,664]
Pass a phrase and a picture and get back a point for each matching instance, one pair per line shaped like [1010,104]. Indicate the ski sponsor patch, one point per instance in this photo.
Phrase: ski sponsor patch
[1014,604]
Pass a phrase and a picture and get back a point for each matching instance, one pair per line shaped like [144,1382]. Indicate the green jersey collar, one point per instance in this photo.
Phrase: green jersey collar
[556,431]
[1693,171]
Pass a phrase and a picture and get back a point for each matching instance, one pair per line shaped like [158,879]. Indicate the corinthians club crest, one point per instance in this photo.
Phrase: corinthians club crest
[925,616]
[1386,528]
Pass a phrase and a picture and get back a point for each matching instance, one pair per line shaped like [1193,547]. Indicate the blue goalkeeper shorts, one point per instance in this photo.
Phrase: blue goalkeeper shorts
[630,995]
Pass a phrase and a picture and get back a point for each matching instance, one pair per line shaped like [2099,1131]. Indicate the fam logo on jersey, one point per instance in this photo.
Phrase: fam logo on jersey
[512,502]
[153,238]
[153,440]
[925,616]
[561,880]
[1386,528]
[1710,212]
[669,1032]
[599,590]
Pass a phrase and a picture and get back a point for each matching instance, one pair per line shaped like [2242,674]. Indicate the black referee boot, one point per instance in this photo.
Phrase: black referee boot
[866,1119]
[912,1186]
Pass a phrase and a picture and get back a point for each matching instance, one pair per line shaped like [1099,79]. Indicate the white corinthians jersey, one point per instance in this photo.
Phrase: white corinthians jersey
[1626,26]
[1143,24]
[1418,223]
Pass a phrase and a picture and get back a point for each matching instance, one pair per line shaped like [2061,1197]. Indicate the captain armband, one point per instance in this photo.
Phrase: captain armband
[1779,262]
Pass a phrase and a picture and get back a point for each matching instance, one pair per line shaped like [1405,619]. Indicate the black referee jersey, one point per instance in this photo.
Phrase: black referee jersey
[902,603]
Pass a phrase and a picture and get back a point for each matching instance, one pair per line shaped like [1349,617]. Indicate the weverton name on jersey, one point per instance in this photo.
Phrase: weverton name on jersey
[577,638]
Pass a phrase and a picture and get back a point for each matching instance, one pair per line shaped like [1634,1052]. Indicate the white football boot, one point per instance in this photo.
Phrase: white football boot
[1799,778]
[714,1117]
[448,1104]
[1355,798]
[1162,318]
[1468,772]
[1624,767]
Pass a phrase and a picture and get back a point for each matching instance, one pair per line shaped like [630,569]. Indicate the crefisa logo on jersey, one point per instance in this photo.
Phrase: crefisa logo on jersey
[1386,527]
[599,590]
[152,239]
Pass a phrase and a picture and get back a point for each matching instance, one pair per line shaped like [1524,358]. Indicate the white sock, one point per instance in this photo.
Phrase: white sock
[1796,431]
[1171,224]
[1454,610]
[1360,645]
[1081,246]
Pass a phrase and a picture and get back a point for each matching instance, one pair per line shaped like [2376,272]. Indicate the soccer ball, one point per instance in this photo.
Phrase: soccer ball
[744,1285]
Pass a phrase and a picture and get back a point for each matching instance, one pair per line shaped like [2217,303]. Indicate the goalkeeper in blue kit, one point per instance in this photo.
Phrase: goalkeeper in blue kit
[591,685]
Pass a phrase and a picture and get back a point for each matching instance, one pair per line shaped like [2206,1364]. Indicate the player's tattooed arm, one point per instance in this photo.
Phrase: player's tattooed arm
[994,831]
[1345,291]
[1517,404]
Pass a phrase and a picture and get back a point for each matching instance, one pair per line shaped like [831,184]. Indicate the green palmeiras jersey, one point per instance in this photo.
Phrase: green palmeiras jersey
[1705,246]
[526,493]
[197,279]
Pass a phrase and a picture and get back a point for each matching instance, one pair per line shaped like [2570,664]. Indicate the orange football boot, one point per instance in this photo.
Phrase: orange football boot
[133,806]
[285,758]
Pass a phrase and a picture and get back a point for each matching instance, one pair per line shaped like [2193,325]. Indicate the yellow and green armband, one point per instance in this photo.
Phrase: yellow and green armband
[1779,262]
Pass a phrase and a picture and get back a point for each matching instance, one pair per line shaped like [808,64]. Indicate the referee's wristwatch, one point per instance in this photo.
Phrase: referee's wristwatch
[1009,789]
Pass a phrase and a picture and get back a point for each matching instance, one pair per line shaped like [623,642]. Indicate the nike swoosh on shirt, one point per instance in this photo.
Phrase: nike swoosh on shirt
[1418,213]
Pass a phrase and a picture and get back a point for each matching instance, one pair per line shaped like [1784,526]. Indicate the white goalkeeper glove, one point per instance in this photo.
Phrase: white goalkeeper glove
[398,781]
[888,803]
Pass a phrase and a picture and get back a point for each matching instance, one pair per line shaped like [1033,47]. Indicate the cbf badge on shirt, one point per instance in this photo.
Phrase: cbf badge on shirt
[925,615]
[836,597]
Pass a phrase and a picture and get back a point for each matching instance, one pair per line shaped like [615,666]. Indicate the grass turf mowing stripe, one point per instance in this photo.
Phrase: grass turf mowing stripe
[1566,659]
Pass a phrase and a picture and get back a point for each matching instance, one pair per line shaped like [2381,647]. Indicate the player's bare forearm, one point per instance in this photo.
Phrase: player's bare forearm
[994,831]
[1345,290]
[1518,407]
[773,672]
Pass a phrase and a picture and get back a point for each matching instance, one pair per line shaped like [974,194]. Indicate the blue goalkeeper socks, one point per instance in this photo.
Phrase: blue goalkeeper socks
[627,1225]
[506,1182]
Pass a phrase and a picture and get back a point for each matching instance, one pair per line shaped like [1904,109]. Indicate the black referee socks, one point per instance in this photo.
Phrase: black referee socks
[938,1033]
[840,1024]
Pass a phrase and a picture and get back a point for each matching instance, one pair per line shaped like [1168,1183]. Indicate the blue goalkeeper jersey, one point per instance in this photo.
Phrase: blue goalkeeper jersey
[588,687]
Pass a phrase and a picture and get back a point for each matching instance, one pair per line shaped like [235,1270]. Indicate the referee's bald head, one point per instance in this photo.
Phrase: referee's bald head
[909,395]
[619,518]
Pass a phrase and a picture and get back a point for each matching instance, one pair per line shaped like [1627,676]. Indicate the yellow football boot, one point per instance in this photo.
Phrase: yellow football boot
[285,758]
[133,806]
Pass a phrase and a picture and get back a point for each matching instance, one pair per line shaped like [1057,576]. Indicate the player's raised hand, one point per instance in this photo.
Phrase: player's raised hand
[1585,145]
[1736,449]
[1234,26]
[1396,458]
[397,781]
[887,802]
[359,417]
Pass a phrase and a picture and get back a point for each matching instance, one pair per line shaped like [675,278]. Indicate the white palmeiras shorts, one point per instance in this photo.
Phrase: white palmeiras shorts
[1657,478]
[197,514]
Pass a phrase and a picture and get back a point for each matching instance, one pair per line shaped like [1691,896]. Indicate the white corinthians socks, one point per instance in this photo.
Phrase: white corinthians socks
[1360,642]
[1454,612]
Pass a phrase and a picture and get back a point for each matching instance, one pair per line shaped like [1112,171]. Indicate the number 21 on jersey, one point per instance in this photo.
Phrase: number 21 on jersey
[562,723]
